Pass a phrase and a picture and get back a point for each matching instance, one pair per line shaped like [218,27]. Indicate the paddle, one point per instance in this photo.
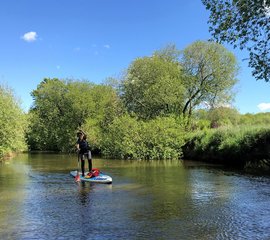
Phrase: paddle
[77,178]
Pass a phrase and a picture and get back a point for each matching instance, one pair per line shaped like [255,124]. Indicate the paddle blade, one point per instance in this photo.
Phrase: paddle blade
[77,178]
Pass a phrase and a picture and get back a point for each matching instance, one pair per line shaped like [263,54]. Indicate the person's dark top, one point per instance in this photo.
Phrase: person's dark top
[83,145]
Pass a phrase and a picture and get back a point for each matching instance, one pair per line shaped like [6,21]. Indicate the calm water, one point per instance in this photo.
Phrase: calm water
[147,200]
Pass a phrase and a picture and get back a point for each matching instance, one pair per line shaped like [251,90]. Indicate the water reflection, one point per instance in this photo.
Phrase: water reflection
[147,200]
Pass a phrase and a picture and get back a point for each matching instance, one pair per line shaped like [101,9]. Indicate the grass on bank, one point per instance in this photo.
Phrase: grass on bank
[234,146]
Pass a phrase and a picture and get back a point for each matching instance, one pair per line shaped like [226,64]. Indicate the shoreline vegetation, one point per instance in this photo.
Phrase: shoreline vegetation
[171,105]
[243,147]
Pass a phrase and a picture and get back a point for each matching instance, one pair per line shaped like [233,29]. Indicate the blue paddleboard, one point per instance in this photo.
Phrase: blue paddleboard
[101,178]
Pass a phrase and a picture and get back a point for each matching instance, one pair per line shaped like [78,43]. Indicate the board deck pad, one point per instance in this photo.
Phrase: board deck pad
[101,178]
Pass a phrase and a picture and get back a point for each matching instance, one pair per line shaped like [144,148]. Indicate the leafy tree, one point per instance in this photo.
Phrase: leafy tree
[169,53]
[244,23]
[153,85]
[223,116]
[210,74]
[107,108]
[61,107]
[13,123]
[53,120]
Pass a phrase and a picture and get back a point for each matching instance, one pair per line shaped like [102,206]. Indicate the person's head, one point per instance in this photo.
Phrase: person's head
[80,135]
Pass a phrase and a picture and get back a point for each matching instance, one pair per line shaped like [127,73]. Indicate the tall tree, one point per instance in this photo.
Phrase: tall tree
[153,85]
[12,123]
[244,23]
[210,74]
[62,106]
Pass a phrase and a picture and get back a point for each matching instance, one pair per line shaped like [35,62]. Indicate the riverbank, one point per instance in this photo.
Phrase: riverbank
[7,156]
[240,147]
[244,147]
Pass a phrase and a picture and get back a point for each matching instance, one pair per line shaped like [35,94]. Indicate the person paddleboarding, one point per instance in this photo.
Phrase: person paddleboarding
[83,150]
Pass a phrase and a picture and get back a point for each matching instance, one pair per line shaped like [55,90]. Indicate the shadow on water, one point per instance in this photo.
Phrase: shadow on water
[147,200]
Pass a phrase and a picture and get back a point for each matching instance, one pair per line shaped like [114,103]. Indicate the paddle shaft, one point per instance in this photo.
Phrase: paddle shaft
[77,178]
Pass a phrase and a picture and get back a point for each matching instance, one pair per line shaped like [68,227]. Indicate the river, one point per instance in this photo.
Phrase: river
[147,200]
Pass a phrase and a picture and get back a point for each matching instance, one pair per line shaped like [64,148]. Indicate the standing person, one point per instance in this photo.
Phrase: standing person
[84,151]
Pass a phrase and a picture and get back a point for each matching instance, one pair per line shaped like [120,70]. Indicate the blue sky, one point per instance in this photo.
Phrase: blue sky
[96,39]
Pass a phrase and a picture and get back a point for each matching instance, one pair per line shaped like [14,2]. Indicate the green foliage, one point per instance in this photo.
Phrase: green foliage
[162,138]
[13,123]
[201,124]
[223,116]
[149,123]
[153,85]
[61,107]
[94,133]
[255,119]
[210,74]
[128,138]
[244,23]
[119,141]
[164,84]
[50,118]
[229,145]
[226,116]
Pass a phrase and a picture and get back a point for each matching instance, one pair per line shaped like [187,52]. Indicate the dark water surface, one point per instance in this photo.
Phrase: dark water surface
[147,200]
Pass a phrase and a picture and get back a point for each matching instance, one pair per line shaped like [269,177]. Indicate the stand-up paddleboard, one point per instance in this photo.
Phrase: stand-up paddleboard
[101,178]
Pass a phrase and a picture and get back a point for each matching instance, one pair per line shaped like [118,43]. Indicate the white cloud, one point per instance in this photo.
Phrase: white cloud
[107,46]
[30,36]
[264,106]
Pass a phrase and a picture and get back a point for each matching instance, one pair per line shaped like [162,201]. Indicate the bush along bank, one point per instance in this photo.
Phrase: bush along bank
[13,123]
[243,147]
[158,139]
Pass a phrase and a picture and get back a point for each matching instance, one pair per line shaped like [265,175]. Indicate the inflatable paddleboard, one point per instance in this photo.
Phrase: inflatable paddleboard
[101,178]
